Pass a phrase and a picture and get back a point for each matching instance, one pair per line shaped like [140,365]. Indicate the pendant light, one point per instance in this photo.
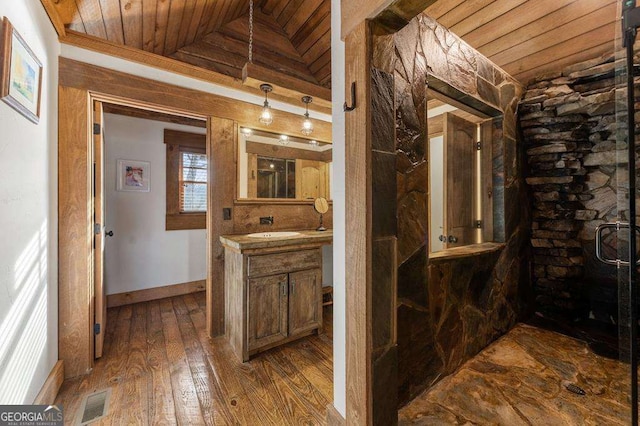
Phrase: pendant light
[307,124]
[266,116]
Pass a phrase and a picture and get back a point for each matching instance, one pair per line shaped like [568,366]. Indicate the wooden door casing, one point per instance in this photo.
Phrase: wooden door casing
[267,310]
[100,302]
[460,138]
[305,301]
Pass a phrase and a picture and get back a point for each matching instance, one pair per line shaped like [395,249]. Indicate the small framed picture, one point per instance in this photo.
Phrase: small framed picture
[133,176]
[20,73]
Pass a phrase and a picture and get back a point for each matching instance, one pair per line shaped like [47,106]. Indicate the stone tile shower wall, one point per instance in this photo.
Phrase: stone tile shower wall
[575,171]
[449,309]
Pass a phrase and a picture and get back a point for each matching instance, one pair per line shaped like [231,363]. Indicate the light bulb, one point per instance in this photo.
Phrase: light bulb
[307,126]
[266,117]
[284,140]
[314,143]
[246,131]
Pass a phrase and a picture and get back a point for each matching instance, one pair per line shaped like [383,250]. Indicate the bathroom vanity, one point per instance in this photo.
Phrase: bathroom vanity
[273,287]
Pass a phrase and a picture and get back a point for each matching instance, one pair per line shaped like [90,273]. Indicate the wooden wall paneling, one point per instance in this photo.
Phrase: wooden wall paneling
[149,11]
[358,213]
[221,141]
[439,8]
[155,293]
[114,83]
[286,216]
[162,23]
[463,10]
[75,315]
[268,6]
[132,23]
[146,58]
[92,17]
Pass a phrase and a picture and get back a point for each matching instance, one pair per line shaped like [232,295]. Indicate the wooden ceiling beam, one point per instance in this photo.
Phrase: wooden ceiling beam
[54,17]
[114,85]
[172,65]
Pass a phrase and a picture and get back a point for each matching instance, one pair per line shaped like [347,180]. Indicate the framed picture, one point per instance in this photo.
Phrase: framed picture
[20,73]
[133,176]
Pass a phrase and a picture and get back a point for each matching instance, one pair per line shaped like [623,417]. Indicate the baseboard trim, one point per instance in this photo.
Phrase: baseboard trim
[334,418]
[51,386]
[148,294]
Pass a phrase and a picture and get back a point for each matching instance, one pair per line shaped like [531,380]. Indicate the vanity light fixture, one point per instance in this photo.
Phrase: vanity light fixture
[307,124]
[313,142]
[284,140]
[246,131]
[266,117]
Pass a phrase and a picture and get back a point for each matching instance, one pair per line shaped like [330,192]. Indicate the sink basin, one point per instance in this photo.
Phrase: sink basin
[281,234]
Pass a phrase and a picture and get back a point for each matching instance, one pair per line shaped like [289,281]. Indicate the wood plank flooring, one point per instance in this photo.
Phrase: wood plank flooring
[164,370]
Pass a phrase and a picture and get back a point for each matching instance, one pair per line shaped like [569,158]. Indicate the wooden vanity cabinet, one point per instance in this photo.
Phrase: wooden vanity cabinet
[272,298]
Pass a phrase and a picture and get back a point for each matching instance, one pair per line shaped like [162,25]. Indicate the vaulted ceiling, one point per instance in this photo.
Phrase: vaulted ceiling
[524,37]
[290,36]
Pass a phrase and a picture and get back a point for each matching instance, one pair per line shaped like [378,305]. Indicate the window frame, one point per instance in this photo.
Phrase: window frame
[176,143]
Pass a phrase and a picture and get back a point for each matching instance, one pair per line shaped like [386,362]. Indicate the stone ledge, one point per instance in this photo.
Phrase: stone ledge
[465,251]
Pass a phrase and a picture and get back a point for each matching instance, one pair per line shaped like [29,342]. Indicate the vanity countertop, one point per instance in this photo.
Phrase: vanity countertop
[243,242]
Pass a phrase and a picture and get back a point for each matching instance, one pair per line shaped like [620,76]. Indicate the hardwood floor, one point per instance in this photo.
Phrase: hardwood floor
[164,370]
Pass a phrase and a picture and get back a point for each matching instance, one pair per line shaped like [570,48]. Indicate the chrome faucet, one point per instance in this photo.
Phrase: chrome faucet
[266,220]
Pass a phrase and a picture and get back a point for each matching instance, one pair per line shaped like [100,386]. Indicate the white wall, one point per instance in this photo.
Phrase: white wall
[436,194]
[28,221]
[142,254]
[338,193]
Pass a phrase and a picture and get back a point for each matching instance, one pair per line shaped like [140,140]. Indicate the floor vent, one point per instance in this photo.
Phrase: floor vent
[94,407]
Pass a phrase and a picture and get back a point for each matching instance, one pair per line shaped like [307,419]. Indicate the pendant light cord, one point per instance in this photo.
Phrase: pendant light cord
[250,31]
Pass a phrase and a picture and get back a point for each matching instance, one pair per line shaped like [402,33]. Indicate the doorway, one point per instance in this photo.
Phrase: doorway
[139,253]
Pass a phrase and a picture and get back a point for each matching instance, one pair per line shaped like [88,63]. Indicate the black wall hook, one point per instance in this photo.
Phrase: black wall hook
[347,108]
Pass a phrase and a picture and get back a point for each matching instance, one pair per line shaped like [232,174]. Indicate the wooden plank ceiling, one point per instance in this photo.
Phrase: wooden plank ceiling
[528,38]
[525,37]
[290,36]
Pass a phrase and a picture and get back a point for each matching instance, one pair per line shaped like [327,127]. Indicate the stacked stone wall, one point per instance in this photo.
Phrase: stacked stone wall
[577,172]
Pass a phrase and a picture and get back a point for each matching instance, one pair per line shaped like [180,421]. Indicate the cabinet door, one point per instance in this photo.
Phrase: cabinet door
[267,315]
[305,301]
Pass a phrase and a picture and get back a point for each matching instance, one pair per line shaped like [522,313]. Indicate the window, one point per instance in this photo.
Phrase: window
[460,174]
[193,184]
[186,180]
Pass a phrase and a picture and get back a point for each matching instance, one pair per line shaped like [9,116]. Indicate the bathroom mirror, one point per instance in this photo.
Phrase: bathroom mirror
[321,205]
[277,167]
[460,201]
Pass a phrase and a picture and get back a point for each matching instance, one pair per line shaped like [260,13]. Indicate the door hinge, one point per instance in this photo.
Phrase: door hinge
[96,228]
[478,145]
[478,224]
[96,329]
[96,128]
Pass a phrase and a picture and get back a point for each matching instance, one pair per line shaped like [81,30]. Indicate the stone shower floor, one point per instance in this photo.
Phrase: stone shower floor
[520,380]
